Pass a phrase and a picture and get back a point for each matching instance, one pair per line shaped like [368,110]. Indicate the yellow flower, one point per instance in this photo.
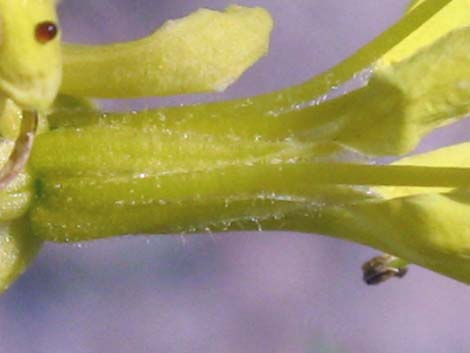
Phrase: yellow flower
[269,162]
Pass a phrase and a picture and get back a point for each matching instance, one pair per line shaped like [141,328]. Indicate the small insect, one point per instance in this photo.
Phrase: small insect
[381,268]
[30,71]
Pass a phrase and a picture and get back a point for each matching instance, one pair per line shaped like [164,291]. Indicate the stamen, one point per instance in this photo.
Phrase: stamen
[21,150]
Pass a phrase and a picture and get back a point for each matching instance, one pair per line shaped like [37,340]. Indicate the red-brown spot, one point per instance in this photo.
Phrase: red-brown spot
[46,31]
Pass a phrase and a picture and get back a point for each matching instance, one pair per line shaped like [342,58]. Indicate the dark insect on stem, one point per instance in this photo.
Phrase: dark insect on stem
[382,268]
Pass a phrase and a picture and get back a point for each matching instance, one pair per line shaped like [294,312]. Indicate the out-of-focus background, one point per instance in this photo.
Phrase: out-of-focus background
[232,293]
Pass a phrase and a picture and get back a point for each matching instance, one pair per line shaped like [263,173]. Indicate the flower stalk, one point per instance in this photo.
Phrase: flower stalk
[166,182]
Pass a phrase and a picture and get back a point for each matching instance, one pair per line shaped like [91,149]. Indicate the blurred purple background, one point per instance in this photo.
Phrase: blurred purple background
[232,293]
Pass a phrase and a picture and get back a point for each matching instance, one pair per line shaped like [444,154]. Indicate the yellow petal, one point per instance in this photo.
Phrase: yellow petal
[205,51]
[454,15]
[405,101]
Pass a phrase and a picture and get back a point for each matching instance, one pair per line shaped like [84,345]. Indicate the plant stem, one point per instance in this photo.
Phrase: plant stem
[362,59]
[116,179]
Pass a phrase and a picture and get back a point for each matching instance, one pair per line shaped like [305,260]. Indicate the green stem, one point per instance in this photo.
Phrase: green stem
[106,180]
[363,58]
[379,175]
